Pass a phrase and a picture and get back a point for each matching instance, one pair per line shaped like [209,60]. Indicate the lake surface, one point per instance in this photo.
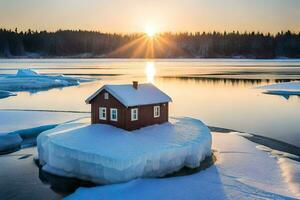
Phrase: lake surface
[219,92]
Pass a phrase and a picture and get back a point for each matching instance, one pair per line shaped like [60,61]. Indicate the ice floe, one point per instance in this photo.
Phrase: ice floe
[12,121]
[105,154]
[289,88]
[17,126]
[241,172]
[9,142]
[277,152]
[5,94]
[30,80]
[291,173]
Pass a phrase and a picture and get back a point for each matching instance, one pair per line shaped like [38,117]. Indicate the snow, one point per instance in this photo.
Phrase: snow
[5,94]
[291,173]
[289,88]
[277,152]
[145,94]
[105,154]
[241,172]
[29,80]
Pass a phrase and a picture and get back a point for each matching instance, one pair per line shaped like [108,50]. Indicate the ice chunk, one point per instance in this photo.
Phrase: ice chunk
[27,72]
[9,142]
[105,154]
[240,172]
[295,85]
[20,128]
[5,94]
[14,121]
[289,88]
[29,80]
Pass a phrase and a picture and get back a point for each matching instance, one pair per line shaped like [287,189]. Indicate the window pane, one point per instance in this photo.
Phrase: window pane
[105,95]
[102,113]
[114,114]
[134,114]
[156,111]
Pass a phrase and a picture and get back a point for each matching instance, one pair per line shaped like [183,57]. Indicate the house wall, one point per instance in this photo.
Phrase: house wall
[146,116]
[145,113]
[111,102]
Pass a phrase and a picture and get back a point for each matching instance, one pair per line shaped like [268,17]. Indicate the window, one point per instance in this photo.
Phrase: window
[106,95]
[156,111]
[134,114]
[102,113]
[114,114]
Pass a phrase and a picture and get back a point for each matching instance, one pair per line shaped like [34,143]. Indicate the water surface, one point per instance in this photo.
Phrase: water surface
[217,91]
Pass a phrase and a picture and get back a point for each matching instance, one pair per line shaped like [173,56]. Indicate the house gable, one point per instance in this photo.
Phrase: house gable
[100,101]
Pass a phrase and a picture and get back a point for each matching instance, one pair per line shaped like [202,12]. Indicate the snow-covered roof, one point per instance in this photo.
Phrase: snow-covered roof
[129,96]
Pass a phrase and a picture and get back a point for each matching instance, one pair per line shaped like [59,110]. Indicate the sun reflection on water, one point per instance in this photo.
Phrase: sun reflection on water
[150,72]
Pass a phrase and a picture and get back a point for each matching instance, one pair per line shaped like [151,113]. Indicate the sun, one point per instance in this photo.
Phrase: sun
[150,31]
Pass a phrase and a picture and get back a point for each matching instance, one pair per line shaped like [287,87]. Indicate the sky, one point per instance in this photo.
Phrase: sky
[126,16]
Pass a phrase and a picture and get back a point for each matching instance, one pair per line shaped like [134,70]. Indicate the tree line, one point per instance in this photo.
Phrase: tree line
[79,43]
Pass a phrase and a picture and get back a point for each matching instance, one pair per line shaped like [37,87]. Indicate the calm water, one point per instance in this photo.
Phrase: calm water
[219,92]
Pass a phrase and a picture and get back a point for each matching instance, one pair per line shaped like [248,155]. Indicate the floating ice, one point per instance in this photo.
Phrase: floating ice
[277,153]
[240,172]
[14,121]
[291,173]
[289,88]
[295,85]
[27,72]
[29,80]
[5,94]
[105,154]
[9,142]
[18,127]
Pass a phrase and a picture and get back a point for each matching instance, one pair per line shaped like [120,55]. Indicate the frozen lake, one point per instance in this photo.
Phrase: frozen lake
[219,92]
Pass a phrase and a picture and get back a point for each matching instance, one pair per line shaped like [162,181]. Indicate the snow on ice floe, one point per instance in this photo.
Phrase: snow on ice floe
[30,80]
[241,172]
[289,88]
[105,154]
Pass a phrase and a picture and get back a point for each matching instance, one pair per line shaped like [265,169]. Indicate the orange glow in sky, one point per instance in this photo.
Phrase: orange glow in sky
[127,16]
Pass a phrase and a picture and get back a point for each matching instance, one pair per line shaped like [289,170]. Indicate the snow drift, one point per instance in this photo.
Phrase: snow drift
[105,154]
[29,80]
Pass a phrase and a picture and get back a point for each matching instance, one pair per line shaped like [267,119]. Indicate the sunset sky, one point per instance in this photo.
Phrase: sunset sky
[163,15]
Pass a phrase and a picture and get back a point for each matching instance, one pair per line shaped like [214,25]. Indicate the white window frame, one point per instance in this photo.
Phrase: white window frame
[134,114]
[101,109]
[156,111]
[111,114]
[106,95]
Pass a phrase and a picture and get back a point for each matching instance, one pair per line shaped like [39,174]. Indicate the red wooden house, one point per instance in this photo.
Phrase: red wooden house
[129,106]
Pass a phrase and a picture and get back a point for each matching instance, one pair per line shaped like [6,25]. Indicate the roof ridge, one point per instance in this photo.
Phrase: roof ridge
[130,96]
